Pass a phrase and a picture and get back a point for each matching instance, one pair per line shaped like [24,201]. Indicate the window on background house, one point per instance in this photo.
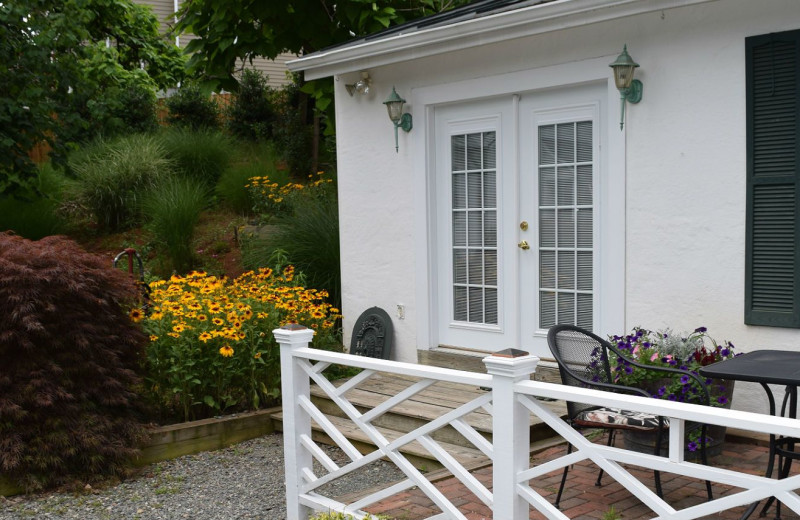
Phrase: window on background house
[772,283]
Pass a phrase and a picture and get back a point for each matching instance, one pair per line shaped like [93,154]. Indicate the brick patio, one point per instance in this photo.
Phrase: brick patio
[582,500]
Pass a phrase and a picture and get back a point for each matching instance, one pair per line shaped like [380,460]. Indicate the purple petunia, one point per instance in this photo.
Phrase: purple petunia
[700,329]
[722,399]
[692,446]
[684,379]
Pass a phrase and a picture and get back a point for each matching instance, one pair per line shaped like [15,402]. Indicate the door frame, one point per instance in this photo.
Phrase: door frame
[423,101]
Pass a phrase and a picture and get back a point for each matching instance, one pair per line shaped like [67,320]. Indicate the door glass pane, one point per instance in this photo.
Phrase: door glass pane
[566,224]
[547,186]
[474,228]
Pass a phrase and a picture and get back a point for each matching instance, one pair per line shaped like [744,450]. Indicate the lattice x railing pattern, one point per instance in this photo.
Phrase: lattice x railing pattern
[513,397]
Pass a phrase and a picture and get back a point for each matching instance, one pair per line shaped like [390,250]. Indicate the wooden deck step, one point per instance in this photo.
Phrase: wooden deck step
[424,407]
[427,405]
[413,451]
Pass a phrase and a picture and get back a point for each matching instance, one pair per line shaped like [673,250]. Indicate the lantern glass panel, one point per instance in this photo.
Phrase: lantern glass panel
[395,110]
[623,75]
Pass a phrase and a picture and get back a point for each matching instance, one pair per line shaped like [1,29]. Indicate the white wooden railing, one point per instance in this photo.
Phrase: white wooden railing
[510,402]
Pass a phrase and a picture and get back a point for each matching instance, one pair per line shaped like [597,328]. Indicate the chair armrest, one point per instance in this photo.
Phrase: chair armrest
[705,397]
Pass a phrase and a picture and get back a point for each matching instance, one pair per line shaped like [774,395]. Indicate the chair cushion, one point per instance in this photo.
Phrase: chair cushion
[622,419]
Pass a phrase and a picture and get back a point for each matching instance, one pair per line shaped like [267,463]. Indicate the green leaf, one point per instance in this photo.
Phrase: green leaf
[210,401]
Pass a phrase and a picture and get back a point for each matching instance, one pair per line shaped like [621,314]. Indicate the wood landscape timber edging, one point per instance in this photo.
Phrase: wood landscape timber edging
[176,440]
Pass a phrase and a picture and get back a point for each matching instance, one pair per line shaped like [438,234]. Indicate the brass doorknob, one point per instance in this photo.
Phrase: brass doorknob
[524,245]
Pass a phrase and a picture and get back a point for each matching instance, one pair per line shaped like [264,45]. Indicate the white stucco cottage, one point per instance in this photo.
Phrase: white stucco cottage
[685,217]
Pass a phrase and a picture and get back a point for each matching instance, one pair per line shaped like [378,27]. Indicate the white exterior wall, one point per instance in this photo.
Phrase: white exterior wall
[684,150]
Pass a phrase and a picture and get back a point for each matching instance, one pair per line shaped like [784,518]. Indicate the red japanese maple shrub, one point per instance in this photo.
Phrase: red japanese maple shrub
[69,359]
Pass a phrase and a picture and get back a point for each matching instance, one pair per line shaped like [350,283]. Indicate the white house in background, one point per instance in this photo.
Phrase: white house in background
[686,217]
[275,70]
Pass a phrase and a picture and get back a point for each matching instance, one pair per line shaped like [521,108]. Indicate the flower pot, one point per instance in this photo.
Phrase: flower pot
[645,441]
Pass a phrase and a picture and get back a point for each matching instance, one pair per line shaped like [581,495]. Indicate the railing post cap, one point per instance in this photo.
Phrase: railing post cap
[293,334]
[294,326]
[511,362]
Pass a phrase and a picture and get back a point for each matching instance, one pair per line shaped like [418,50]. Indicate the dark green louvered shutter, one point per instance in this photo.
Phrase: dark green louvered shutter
[772,285]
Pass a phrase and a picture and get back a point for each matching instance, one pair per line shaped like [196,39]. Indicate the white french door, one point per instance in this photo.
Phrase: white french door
[517,189]
[473,155]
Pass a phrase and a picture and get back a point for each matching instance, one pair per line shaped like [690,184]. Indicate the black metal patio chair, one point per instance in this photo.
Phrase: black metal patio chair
[574,350]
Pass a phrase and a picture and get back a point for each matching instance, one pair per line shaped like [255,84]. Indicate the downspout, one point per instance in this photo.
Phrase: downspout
[175,6]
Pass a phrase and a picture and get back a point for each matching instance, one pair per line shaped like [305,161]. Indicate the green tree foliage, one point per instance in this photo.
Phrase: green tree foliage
[231,30]
[67,68]
[191,107]
[251,115]
[244,29]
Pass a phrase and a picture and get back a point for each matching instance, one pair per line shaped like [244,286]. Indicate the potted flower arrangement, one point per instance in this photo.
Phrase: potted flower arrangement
[686,352]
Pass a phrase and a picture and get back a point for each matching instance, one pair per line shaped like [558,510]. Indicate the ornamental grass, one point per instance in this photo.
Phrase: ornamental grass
[211,345]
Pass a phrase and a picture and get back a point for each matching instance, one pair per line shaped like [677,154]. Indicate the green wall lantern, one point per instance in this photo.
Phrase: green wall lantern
[630,89]
[394,105]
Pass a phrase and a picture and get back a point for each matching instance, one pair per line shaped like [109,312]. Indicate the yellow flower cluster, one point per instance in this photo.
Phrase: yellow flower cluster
[204,308]
[272,195]
[211,344]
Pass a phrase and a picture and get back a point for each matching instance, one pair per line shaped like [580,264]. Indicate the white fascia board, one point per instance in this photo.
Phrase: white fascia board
[536,19]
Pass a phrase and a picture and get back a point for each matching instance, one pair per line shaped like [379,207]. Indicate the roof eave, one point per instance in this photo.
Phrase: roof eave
[528,21]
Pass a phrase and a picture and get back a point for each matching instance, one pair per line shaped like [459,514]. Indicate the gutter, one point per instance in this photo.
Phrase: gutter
[508,25]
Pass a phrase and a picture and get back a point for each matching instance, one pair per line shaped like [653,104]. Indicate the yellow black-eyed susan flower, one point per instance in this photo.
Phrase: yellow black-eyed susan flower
[136,315]
[226,351]
[204,337]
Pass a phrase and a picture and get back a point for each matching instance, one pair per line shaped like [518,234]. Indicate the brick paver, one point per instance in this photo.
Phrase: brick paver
[581,498]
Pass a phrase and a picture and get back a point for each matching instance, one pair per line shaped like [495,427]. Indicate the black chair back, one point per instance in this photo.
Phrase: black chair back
[582,358]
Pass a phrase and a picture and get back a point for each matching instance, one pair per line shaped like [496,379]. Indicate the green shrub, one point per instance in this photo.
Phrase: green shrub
[294,138]
[256,161]
[232,187]
[191,107]
[137,108]
[71,356]
[172,210]
[212,348]
[111,178]
[36,217]
[293,131]
[251,114]
[309,236]
[201,155]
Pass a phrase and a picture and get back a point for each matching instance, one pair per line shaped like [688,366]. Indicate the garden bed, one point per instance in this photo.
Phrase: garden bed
[176,440]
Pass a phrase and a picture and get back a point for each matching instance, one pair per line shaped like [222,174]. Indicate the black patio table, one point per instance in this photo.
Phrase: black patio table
[767,367]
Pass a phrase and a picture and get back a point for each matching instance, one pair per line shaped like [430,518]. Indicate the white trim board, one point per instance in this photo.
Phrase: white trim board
[517,23]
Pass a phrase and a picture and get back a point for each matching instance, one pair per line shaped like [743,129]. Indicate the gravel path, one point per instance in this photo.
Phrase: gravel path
[242,481]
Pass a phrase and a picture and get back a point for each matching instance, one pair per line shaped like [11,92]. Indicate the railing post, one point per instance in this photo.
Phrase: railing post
[510,430]
[296,423]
